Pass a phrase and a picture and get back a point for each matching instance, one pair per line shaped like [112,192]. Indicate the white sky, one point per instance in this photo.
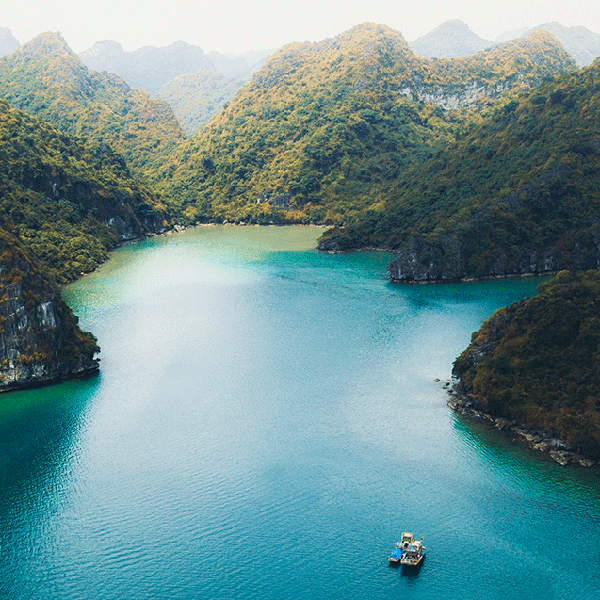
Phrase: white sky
[240,26]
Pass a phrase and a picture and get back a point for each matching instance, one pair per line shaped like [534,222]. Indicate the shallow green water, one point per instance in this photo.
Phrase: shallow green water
[264,426]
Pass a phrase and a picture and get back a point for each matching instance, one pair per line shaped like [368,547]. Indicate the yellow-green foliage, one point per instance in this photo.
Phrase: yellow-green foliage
[47,79]
[544,370]
[197,97]
[57,195]
[524,177]
[322,129]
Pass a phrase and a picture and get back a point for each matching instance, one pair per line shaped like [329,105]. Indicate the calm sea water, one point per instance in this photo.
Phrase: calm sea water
[265,425]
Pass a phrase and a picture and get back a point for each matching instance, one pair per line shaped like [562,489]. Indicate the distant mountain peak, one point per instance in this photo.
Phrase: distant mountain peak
[581,43]
[451,39]
[8,43]
[453,25]
[49,43]
[103,47]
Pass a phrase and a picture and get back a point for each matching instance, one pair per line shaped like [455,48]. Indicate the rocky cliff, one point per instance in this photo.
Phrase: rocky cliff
[445,261]
[40,341]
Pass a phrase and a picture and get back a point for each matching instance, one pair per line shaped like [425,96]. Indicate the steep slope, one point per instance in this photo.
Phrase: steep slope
[450,40]
[322,129]
[64,202]
[537,361]
[8,43]
[517,194]
[67,201]
[40,341]
[197,97]
[46,79]
[581,43]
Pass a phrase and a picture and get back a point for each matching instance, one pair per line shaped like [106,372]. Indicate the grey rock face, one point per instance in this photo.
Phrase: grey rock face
[422,261]
[444,261]
[33,340]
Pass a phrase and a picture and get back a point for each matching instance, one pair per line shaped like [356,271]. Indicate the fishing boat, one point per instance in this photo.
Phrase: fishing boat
[405,540]
[414,554]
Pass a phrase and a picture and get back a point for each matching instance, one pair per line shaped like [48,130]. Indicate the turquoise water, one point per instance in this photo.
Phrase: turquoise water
[265,425]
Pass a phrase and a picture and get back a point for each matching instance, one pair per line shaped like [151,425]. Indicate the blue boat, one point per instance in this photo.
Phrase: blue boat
[397,553]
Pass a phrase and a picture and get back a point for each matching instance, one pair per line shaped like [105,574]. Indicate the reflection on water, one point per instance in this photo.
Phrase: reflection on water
[266,424]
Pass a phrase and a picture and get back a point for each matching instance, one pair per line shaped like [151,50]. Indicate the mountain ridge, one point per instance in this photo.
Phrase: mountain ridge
[47,79]
[514,195]
[323,125]
[150,68]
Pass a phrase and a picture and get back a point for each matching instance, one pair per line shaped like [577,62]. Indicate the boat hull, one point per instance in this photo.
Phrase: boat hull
[413,564]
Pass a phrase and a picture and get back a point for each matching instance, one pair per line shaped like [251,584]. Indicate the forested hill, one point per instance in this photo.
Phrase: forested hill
[46,78]
[64,203]
[68,201]
[537,362]
[516,194]
[322,129]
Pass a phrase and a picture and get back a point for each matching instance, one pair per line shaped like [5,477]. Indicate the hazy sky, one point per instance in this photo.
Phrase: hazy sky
[239,26]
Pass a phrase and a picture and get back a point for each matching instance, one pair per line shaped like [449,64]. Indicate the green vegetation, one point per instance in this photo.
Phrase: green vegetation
[323,129]
[395,150]
[538,361]
[520,182]
[197,97]
[68,201]
[46,78]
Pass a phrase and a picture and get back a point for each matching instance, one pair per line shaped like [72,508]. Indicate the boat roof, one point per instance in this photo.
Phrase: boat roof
[414,547]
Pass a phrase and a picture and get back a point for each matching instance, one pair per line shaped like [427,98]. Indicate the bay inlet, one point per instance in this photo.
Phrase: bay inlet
[265,425]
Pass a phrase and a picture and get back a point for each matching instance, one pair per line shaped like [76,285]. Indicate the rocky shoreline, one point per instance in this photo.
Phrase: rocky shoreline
[536,439]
